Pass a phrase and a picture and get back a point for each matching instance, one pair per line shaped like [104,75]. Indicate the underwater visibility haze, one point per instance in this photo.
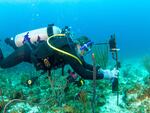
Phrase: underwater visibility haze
[97,19]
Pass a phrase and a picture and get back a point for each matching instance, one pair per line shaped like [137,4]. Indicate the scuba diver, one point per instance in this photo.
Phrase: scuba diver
[51,48]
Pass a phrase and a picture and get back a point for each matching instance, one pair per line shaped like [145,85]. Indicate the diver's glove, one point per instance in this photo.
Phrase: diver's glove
[110,74]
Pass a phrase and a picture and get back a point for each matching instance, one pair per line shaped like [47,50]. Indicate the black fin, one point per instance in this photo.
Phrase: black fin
[10,43]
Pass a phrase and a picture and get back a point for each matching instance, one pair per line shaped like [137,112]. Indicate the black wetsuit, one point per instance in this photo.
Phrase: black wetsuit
[56,59]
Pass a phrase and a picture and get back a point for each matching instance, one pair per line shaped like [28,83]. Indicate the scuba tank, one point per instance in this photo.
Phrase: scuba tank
[37,35]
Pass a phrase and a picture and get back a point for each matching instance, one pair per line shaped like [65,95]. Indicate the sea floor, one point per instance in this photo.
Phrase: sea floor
[48,94]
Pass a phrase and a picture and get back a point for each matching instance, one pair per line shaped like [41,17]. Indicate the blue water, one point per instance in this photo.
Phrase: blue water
[98,19]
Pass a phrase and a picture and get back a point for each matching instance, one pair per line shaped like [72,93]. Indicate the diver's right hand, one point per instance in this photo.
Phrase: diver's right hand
[110,74]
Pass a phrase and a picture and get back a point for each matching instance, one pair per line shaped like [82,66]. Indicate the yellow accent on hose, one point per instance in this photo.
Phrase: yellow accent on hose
[59,50]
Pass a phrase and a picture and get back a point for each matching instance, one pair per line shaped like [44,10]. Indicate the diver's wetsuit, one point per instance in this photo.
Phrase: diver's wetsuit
[56,59]
[19,55]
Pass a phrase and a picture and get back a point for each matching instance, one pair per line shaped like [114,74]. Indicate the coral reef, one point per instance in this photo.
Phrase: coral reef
[47,95]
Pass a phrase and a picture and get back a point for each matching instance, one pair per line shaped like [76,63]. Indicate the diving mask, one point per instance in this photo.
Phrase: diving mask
[87,46]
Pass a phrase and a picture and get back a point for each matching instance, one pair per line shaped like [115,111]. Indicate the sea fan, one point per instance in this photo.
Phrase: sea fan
[101,55]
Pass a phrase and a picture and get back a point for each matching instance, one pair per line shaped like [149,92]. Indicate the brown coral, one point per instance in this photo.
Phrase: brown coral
[134,89]
[146,92]
[69,109]
[144,95]
[141,97]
